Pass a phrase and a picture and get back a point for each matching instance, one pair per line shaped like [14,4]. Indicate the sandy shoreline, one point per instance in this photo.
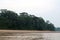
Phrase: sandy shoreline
[30,31]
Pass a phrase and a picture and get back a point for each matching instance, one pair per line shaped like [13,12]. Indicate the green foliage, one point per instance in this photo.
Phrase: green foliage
[24,21]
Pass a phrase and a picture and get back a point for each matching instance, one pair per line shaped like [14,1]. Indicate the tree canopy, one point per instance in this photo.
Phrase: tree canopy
[23,21]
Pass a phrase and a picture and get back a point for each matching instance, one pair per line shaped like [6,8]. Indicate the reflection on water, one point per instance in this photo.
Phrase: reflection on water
[29,36]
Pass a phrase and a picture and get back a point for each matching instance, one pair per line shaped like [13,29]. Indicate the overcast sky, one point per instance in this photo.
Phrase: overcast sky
[48,9]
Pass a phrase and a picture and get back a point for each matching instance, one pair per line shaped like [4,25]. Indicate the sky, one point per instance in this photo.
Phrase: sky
[47,9]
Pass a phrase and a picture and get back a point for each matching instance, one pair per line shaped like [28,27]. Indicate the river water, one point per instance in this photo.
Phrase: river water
[29,36]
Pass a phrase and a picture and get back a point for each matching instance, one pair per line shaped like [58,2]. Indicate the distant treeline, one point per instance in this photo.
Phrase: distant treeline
[57,29]
[23,21]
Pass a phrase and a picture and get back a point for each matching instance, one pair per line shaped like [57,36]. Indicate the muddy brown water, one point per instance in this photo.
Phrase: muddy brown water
[28,35]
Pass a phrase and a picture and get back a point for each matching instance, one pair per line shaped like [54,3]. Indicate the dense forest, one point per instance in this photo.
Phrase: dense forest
[24,21]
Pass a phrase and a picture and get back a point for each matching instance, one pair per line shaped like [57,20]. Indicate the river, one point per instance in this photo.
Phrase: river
[26,35]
